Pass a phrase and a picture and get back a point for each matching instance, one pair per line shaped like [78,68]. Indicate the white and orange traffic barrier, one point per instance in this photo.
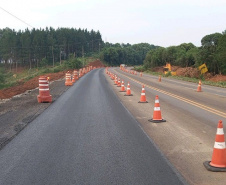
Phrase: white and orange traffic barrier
[218,162]
[68,81]
[73,79]
[199,89]
[44,94]
[157,115]
[128,90]
[122,87]
[143,96]
[75,76]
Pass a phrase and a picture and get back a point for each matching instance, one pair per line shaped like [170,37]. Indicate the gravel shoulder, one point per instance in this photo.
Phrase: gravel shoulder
[17,112]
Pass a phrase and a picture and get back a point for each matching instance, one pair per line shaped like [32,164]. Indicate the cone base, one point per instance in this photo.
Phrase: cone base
[68,84]
[142,101]
[122,91]
[44,99]
[157,121]
[212,168]
[128,95]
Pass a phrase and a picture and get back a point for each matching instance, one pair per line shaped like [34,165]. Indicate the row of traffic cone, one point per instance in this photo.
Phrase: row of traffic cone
[130,71]
[157,116]
[218,162]
[72,78]
[199,89]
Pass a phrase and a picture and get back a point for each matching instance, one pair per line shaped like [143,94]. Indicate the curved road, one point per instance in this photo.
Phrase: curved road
[85,137]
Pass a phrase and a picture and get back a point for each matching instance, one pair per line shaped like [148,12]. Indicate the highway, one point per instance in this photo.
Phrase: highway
[86,136]
[188,135]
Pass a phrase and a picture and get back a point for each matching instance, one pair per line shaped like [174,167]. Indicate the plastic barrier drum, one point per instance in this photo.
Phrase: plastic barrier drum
[44,95]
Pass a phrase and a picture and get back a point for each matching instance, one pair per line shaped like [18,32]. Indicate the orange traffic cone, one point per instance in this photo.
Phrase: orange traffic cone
[199,89]
[143,97]
[128,91]
[119,83]
[141,74]
[122,87]
[218,163]
[116,81]
[44,95]
[160,78]
[157,116]
[68,81]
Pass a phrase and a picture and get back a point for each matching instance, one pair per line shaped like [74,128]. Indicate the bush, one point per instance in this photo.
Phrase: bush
[2,78]
[73,63]
[44,62]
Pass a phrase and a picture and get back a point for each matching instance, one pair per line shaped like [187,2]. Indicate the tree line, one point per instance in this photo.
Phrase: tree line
[38,47]
[212,52]
[116,54]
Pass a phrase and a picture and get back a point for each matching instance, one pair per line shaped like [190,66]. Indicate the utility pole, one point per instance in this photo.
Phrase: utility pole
[53,56]
[82,56]
[60,56]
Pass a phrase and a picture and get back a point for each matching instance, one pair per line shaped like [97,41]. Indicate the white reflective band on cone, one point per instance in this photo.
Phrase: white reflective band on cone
[219,145]
[42,81]
[128,88]
[220,131]
[142,89]
[44,89]
[157,108]
[142,94]
[43,84]
[156,101]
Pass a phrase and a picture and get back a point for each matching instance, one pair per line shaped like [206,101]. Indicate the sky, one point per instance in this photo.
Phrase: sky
[159,22]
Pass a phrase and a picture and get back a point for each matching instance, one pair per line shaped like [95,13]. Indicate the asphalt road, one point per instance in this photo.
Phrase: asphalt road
[188,135]
[209,105]
[85,137]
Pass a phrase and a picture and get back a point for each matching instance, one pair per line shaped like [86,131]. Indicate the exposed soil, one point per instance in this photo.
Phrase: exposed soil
[193,73]
[22,87]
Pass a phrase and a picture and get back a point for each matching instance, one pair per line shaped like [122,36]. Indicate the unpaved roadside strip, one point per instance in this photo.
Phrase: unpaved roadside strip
[16,113]
[185,140]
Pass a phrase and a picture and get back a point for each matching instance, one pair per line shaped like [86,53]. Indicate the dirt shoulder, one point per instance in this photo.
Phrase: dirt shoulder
[16,113]
[19,105]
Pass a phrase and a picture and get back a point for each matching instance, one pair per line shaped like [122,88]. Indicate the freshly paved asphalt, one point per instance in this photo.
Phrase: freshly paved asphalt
[85,137]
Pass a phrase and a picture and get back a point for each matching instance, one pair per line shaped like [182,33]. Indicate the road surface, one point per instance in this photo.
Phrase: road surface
[85,137]
[188,135]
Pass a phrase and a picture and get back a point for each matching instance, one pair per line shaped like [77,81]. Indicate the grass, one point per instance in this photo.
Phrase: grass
[9,79]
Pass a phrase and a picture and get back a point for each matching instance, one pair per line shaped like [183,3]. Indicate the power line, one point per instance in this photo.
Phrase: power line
[16,17]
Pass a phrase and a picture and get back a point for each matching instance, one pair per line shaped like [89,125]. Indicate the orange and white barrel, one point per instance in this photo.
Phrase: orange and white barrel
[44,94]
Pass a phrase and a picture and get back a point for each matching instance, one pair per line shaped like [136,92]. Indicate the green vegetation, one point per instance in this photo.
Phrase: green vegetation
[44,47]
[116,54]
[53,50]
[212,53]
[8,78]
